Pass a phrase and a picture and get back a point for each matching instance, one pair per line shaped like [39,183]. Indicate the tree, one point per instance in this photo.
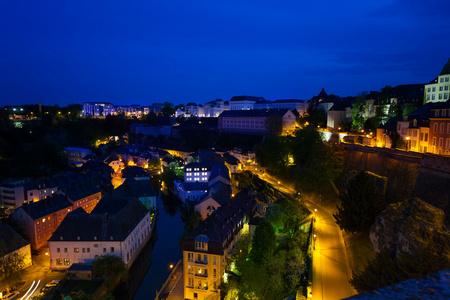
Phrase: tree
[154,163]
[112,269]
[240,254]
[263,243]
[168,110]
[396,141]
[276,217]
[11,265]
[358,110]
[361,202]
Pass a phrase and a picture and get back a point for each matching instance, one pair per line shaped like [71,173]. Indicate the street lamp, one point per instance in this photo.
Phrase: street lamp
[407,143]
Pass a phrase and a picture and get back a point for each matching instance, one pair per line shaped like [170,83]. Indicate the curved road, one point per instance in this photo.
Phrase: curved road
[331,270]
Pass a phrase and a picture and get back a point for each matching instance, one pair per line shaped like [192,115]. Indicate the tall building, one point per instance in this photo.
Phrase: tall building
[207,249]
[98,109]
[438,90]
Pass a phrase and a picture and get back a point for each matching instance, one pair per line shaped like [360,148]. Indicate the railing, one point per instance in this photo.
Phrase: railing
[202,288]
[202,275]
[201,262]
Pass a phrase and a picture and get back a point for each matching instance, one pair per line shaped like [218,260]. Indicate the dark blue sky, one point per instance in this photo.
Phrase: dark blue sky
[61,52]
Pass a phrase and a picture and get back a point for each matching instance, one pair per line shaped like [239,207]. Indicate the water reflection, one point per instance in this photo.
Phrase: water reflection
[166,250]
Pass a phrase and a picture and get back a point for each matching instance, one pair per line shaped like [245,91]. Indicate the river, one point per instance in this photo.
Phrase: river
[166,250]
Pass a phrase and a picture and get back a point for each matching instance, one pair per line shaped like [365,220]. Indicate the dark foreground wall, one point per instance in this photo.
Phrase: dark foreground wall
[409,174]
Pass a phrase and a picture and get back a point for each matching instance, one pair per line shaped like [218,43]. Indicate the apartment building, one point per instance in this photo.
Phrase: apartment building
[438,90]
[439,131]
[117,226]
[207,249]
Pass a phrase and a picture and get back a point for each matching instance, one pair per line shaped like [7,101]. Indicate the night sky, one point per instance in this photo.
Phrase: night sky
[124,52]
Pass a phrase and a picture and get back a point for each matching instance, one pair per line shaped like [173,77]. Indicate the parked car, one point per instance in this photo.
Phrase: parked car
[10,296]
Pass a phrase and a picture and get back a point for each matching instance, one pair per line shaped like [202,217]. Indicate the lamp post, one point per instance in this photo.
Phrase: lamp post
[407,143]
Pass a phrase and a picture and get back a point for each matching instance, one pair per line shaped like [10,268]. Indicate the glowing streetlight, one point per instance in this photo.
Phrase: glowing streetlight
[171,266]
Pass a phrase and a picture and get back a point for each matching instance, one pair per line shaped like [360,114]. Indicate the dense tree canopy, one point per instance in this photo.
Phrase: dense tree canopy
[315,164]
[112,269]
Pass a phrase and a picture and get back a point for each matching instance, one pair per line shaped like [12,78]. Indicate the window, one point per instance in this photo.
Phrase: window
[83,250]
[442,127]
[421,136]
[429,90]
[65,250]
[448,128]
[434,141]
[448,144]
[104,250]
[446,88]
[446,79]
[66,262]
[445,95]
[435,127]
[440,88]
[441,142]
[112,249]
[434,89]
[214,260]
[433,97]
[426,137]
[88,250]
[58,250]
[76,250]
[440,96]
[59,261]
[442,79]
[214,273]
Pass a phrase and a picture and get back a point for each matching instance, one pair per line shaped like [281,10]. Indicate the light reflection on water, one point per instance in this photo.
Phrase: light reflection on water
[166,250]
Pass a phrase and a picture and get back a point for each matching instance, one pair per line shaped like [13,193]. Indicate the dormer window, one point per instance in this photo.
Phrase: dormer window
[201,243]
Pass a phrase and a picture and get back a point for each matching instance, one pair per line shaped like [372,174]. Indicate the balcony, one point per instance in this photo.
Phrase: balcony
[201,262]
[201,288]
[204,275]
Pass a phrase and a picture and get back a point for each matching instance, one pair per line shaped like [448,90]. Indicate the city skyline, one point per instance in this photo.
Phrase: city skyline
[184,52]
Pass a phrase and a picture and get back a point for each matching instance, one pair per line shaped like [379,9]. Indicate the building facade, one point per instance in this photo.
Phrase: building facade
[207,249]
[98,109]
[439,142]
[278,122]
[438,90]
[118,226]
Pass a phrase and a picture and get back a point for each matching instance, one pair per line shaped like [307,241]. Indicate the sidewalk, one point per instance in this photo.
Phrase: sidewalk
[173,288]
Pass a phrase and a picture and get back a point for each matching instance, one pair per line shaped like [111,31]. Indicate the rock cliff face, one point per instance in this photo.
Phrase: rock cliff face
[409,227]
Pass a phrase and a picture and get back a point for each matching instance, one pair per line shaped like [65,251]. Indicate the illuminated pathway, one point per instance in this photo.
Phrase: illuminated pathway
[331,272]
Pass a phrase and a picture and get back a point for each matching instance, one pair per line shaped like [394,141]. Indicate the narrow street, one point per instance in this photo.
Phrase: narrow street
[331,270]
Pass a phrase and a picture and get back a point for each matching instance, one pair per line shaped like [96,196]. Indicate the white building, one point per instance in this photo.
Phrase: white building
[438,90]
[244,102]
[117,226]
[198,171]
[12,194]
[98,109]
